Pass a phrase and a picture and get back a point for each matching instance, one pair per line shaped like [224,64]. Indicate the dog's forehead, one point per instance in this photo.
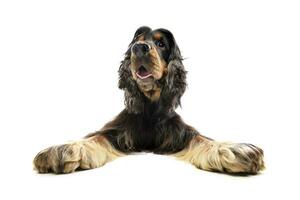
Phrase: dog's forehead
[151,35]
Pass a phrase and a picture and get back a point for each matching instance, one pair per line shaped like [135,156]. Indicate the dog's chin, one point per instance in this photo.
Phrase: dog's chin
[146,84]
[145,78]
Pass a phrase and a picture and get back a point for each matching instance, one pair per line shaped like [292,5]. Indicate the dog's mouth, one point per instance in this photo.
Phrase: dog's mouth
[143,73]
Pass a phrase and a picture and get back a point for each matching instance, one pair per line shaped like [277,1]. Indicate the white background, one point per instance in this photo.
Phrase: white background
[58,82]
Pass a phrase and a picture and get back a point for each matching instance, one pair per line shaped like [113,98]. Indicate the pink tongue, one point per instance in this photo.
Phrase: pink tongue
[143,73]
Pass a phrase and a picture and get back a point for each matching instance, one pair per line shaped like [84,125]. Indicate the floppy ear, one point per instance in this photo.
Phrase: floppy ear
[134,99]
[175,80]
[175,84]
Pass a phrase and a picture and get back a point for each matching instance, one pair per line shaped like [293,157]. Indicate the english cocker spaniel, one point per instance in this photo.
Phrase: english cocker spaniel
[153,79]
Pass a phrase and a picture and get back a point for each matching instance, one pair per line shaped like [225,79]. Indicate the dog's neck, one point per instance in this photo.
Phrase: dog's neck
[156,111]
[153,95]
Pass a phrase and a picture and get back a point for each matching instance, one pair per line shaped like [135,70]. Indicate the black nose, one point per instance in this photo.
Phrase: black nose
[140,49]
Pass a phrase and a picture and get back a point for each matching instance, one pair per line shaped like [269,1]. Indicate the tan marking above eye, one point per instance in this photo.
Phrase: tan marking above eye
[157,36]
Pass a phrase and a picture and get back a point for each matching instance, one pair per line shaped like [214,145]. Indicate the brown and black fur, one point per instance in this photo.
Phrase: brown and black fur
[149,121]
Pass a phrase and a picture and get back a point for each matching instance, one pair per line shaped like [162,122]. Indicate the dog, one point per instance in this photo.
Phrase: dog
[153,78]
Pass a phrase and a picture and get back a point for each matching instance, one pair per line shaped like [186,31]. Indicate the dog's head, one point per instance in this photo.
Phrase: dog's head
[152,71]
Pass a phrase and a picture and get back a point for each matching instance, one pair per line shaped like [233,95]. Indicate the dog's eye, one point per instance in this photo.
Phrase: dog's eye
[160,43]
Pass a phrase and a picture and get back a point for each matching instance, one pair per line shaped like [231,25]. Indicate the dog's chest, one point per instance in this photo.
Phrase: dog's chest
[145,136]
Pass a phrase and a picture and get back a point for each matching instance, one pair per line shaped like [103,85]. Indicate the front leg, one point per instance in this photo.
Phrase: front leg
[85,154]
[223,157]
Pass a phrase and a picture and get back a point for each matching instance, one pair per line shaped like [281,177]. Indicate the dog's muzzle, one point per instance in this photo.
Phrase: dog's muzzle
[141,49]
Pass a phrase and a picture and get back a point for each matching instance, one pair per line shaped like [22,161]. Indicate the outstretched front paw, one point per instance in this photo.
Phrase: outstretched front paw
[59,159]
[242,158]
[86,154]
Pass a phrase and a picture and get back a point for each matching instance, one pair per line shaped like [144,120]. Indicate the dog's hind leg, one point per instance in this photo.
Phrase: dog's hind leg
[210,155]
[88,153]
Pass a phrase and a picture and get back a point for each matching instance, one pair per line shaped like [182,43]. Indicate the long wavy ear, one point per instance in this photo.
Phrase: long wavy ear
[175,81]
[134,99]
